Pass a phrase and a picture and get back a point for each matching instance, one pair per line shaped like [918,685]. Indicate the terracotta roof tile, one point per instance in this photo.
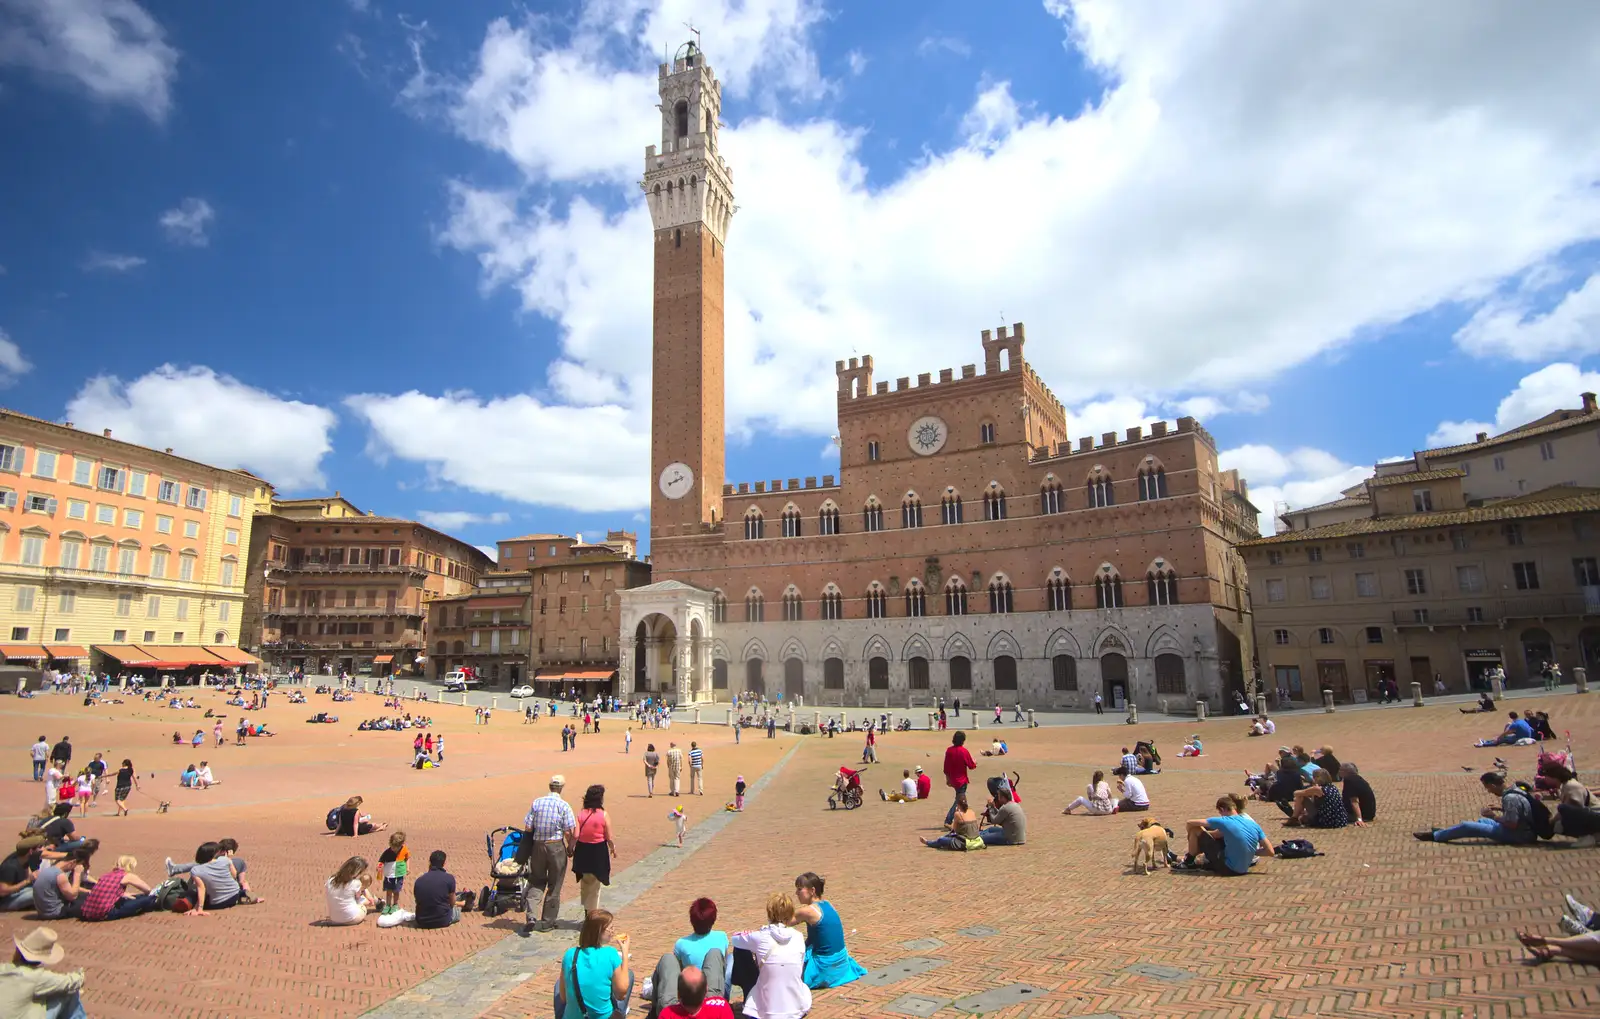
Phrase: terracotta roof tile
[1446,518]
[1414,476]
[1577,418]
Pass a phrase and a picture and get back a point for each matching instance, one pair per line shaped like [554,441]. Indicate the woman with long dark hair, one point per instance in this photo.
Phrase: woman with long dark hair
[127,781]
[591,858]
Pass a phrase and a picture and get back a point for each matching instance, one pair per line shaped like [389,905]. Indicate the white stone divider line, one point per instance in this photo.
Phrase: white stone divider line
[475,983]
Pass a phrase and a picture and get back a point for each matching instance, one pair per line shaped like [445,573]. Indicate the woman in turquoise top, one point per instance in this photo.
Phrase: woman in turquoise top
[828,963]
[596,979]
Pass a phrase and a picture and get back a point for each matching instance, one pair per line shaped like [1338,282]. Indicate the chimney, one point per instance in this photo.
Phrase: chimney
[1482,437]
[68,424]
[1588,403]
[106,433]
[169,449]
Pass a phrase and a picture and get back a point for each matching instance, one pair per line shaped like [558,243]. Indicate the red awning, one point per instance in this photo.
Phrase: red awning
[66,651]
[383,660]
[23,652]
[127,654]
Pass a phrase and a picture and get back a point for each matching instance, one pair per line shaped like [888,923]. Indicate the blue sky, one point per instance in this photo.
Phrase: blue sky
[396,250]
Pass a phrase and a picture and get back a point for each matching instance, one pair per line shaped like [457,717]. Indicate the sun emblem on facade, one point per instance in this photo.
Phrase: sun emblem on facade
[927,436]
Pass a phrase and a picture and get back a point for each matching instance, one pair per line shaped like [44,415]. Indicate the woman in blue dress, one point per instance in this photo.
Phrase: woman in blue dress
[828,963]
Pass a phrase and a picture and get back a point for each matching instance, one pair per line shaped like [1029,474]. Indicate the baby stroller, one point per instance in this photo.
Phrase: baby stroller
[508,887]
[846,790]
[1543,781]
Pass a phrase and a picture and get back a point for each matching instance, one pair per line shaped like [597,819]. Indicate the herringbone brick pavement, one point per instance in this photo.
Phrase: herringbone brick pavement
[1380,926]
[271,960]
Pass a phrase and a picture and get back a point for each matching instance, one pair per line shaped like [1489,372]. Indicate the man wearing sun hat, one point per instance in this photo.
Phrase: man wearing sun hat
[28,990]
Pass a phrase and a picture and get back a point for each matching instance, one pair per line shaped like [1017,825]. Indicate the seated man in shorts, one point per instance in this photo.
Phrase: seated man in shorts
[1230,841]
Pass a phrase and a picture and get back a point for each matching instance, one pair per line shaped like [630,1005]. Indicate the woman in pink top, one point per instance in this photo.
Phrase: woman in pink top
[591,859]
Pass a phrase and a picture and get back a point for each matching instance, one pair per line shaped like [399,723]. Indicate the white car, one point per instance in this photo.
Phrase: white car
[522,691]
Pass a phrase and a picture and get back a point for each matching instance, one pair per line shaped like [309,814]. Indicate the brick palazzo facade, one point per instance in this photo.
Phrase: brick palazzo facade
[967,549]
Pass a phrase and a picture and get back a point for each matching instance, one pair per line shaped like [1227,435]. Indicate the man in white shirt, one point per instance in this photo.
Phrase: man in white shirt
[907,793]
[41,754]
[1134,796]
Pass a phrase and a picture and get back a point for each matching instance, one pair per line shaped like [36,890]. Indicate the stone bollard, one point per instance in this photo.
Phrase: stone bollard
[977,722]
[1199,711]
[364,687]
[1327,701]
[494,703]
[438,696]
[1261,704]
[1133,713]
[1416,695]
[1580,680]
[1497,688]
[730,718]
[1031,723]
[816,721]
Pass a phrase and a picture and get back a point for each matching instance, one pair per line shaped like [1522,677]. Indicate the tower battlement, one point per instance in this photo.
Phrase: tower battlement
[1002,354]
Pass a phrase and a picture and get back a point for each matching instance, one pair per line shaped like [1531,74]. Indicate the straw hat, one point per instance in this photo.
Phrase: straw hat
[40,947]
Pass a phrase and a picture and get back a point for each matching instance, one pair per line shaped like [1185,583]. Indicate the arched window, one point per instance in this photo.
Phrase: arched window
[460,647]
[878,674]
[950,508]
[917,673]
[719,607]
[791,522]
[681,115]
[1108,591]
[955,598]
[754,526]
[1100,490]
[438,648]
[828,519]
[1058,593]
[872,515]
[220,637]
[755,608]
[833,673]
[1064,668]
[832,603]
[916,600]
[1161,587]
[1005,673]
[911,511]
[1152,483]
[719,674]
[877,602]
[1050,500]
[793,606]
[1000,596]
[994,503]
[961,673]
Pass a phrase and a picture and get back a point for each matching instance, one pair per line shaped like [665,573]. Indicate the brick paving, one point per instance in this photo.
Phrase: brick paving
[1381,926]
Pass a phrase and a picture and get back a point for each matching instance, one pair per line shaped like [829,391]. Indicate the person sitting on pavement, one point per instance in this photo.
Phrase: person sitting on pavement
[924,784]
[1096,798]
[1324,759]
[1539,721]
[1320,805]
[1230,841]
[1008,825]
[29,990]
[17,874]
[997,749]
[61,833]
[769,964]
[596,978]
[1359,800]
[1485,703]
[435,893]
[694,999]
[705,950]
[1509,823]
[1132,792]
[1193,748]
[218,882]
[1515,731]
[60,885]
[827,960]
[352,822]
[118,893]
[1575,813]
[963,834]
[907,793]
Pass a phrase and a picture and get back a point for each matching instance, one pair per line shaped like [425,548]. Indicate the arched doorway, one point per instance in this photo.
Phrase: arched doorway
[794,678]
[754,681]
[655,668]
[1536,650]
[1005,673]
[833,674]
[1114,679]
[878,674]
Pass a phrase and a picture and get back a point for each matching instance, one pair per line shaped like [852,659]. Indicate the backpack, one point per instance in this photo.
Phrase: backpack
[1296,849]
[175,895]
[1538,815]
[333,818]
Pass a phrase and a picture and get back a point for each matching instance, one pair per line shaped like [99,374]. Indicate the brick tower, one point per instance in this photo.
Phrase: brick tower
[690,192]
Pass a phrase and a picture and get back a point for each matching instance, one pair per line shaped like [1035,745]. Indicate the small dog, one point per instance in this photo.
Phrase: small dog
[1149,846]
[161,808]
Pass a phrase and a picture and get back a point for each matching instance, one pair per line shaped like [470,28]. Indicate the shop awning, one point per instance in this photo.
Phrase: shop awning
[574,675]
[178,656]
[128,654]
[232,655]
[66,651]
[383,660]
[23,652]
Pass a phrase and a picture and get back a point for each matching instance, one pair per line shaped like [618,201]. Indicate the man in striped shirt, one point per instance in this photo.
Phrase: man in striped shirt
[697,760]
[550,832]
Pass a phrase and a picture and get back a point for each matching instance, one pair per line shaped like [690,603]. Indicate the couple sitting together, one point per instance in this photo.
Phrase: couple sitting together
[1002,824]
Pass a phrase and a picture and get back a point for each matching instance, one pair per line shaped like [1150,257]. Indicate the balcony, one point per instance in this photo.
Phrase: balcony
[344,610]
[309,566]
[1502,611]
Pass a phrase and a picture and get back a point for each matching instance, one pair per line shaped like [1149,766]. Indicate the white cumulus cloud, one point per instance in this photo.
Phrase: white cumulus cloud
[112,49]
[211,418]
[1300,477]
[454,520]
[189,222]
[12,363]
[1553,387]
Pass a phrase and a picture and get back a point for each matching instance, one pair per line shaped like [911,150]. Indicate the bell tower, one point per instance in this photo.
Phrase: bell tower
[690,193]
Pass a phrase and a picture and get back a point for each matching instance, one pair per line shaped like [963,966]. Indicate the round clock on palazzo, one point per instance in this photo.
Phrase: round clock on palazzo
[927,435]
[676,480]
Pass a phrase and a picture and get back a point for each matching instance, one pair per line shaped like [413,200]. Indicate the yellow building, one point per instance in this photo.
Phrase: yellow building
[134,552]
